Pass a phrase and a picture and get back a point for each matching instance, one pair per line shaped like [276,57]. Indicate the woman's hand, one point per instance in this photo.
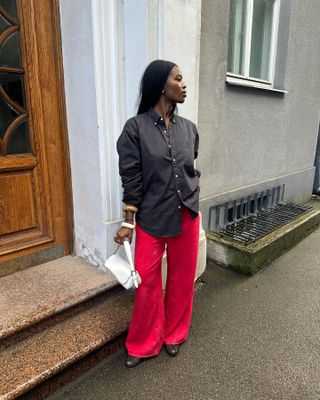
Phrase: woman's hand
[123,233]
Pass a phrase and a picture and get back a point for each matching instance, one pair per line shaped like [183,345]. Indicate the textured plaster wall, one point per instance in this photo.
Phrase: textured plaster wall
[251,136]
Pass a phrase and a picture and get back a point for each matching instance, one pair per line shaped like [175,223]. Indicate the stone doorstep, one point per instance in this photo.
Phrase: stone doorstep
[51,316]
[37,293]
[30,362]
[251,258]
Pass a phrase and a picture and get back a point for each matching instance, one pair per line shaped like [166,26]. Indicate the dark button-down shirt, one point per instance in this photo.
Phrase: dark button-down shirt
[156,166]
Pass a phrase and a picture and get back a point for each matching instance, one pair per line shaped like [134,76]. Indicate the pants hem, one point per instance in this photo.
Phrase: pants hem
[143,356]
[176,342]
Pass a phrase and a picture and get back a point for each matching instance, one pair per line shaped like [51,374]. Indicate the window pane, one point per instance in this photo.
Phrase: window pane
[261,38]
[19,140]
[237,36]
[4,24]
[10,51]
[10,7]
[7,116]
[13,86]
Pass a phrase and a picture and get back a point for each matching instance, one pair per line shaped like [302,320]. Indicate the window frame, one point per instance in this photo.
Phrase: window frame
[246,79]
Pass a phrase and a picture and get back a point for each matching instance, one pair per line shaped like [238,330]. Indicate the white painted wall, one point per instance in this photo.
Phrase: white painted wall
[77,49]
[163,29]
[181,31]
[106,47]
[136,38]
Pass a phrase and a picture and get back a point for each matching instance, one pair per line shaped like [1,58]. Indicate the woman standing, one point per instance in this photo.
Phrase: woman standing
[156,151]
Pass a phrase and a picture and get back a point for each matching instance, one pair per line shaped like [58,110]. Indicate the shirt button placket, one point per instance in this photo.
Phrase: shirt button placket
[175,174]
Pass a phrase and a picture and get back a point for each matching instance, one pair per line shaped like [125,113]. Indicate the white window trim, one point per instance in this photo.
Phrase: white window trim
[238,80]
[245,79]
[248,38]
[274,40]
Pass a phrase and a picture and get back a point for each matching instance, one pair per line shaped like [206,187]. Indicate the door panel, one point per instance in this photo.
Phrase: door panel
[34,167]
[19,215]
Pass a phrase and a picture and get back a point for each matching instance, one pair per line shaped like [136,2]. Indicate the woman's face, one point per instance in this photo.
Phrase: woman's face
[175,88]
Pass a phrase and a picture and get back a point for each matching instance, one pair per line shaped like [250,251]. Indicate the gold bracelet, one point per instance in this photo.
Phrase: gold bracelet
[129,207]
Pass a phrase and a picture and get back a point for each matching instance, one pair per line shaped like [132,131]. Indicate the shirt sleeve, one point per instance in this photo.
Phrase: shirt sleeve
[130,168]
[196,141]
[196,148]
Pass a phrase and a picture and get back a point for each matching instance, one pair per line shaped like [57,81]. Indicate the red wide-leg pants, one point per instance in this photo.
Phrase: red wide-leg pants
[157,320]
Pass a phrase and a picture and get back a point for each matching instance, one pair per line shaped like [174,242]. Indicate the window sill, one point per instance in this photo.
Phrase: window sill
[231,80]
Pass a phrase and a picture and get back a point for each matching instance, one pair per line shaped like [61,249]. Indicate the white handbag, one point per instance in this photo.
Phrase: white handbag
[124,271]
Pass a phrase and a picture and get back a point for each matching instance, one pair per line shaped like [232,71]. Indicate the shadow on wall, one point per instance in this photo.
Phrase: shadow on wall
[316,184]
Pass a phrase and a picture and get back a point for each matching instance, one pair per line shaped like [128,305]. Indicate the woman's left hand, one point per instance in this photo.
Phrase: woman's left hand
[122,234]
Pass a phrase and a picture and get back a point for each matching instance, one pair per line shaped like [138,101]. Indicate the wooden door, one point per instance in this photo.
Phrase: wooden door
[35,217]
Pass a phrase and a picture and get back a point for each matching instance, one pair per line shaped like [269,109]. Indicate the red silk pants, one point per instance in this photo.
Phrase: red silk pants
[157,319]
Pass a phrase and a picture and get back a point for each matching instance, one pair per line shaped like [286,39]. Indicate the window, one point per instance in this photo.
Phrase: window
[252,42]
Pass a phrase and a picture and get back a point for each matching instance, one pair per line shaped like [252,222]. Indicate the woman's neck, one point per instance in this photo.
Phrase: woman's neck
[163,108]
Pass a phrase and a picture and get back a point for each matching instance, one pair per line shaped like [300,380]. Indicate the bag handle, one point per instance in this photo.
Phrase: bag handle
[127,249]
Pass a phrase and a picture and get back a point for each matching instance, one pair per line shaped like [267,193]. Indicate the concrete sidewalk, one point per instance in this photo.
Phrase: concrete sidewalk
[252,338]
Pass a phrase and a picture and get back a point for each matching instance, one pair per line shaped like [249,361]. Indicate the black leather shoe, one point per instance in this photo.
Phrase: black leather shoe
[172,349]
[132,361]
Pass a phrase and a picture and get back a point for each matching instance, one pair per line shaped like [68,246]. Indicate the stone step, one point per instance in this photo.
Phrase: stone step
[34,294]
[35,359]
[251,258]
[53,315]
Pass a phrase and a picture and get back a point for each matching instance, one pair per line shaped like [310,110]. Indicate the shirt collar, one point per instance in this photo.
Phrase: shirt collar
[156,118]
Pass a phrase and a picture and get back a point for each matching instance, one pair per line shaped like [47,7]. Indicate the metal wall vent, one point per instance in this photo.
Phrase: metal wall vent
[249,218]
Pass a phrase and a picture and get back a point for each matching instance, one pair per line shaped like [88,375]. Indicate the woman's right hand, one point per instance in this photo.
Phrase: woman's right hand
[122,234]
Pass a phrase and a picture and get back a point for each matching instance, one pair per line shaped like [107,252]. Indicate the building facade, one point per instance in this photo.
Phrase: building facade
[251,69]
[258,132]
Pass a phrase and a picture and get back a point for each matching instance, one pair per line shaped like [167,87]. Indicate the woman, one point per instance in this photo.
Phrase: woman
[156,151]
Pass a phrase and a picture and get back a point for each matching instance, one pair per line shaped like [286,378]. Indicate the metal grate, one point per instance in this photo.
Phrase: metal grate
[254,227]
[248,219]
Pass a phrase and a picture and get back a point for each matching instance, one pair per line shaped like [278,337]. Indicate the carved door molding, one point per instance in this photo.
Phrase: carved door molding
[34,167]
